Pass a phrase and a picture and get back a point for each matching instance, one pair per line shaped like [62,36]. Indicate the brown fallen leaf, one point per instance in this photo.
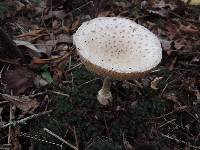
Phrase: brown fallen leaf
[15,136]
[155,83]
[172,97]
[167,46]
[19,79]
[122,4]
[105,14]
[172,29]
[32,35]
[189,29]
[179,44]
[24,103]
[171,66]
[197,94]
[75,24]
[56,24]
[1,120]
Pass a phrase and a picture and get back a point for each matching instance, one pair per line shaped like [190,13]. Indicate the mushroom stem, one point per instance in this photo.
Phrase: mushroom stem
[104,95]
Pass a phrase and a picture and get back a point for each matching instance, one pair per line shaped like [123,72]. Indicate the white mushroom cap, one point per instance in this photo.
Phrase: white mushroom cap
[117,47]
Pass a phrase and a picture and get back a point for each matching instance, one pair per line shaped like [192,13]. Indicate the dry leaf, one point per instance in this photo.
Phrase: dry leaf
[23,103]
[192,2]
[189,29]
[56,24]
[166,45]
[179,44]
[34,50]
[155,83]
[197,94]
[19,79]
[105,14]
[171,66]
[15,135]
[172,97]
[1,120]
[32,35]
[122,4]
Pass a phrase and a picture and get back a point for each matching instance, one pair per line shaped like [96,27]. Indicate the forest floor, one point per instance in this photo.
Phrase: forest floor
[48,98]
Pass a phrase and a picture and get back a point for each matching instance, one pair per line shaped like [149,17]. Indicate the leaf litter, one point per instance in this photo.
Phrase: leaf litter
[47,43]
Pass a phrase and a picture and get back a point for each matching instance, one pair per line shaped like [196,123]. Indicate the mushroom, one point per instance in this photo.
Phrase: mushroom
[116,48]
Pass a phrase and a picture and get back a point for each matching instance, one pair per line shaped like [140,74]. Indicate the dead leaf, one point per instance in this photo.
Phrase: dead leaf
[189,29]
[197,94]
[172,29]
[171,66]
[75,24]
[166,45]
[53,3]
[105,14]
[64,38]
[172,97]
[155,83]
[56,24]
[32,35]
[19,79]
[122,4]
[163,4]
[192,2]
[24,103]
[34,50]
[179,44]
[47,46]
[1,120]
[40,82]
[60,14]
[15,135]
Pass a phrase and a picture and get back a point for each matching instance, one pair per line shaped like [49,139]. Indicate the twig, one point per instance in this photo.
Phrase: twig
[181,108]
[2,71]
[79,64]
[37,94]
[179,141]
[82,6]
[170,121]
[39,139]
[89,82]
[61,139]
[105,122]
[12,116]
[22,121]
[59,93]
[4,102]
[76,139]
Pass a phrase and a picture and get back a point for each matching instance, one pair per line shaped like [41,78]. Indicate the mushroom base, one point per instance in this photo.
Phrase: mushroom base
[104,98]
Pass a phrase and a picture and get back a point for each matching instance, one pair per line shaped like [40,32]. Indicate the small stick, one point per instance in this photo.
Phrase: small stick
[39,139]
[76,139]
[25,119]
[179,141]
[89,81]
[59,93]
[12,116]
[61,139]
[170,121]
[4,102]
[79,64]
